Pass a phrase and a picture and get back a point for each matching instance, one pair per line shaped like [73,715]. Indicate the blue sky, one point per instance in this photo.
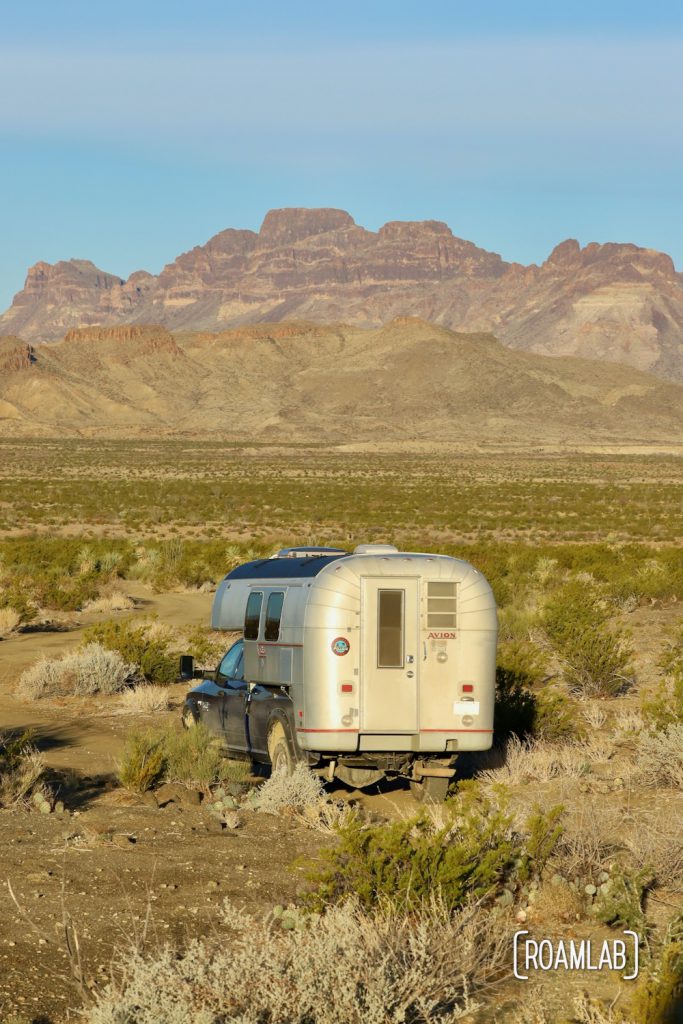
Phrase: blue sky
[131,132]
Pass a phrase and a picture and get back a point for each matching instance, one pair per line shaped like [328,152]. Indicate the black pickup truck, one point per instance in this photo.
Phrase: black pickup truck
[252,721]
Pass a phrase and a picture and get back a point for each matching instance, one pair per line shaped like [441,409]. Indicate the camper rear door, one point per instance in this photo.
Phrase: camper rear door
[390,661]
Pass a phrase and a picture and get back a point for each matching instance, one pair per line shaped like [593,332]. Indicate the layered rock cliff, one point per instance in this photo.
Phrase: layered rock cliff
[616,302]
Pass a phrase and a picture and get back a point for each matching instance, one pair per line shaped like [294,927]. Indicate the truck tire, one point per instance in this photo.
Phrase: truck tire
[279,752]
[430,789]
[189,721]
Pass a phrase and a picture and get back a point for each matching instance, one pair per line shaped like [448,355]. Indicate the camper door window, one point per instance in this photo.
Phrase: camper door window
[273,615]
[253,615]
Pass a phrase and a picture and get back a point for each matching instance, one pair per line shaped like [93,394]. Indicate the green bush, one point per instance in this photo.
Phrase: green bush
[517,670]
[596,660]
[191,756]
[555,716]
[619,900]
[151,654]
[472,855]
[665,707]
[658,994]
[144,763]
[524,707]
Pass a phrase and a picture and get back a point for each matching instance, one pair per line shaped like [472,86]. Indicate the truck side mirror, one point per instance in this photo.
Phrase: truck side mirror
[186,666]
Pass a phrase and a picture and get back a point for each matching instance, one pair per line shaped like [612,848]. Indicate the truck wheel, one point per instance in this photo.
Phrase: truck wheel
[431,789]
[280,755]
[189,721]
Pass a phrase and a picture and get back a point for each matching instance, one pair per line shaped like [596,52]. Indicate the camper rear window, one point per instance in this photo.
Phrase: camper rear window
[273,616]
[390,629]
[252,615]
[441,605]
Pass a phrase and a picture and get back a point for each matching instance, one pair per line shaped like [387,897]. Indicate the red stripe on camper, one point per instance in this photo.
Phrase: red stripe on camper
[326,730]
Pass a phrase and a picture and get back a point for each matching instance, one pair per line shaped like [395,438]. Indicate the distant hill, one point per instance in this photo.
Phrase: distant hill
[616,302]
[408,380]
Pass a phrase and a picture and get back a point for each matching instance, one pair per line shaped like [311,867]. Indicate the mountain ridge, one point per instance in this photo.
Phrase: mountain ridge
[613,301]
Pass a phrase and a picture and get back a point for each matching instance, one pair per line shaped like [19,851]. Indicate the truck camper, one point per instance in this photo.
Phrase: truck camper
[363,664]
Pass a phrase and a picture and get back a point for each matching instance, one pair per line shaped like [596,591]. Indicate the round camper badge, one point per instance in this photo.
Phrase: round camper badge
[341,645]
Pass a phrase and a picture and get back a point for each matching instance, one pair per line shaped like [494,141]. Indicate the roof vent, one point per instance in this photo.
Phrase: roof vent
[308,552]
[375,549]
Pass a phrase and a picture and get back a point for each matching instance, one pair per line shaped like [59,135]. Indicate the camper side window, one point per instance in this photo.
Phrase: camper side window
[252,615]
[273,615]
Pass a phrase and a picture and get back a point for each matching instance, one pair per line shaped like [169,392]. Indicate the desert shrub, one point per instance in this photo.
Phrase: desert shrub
[596,659]
[555,716]
[619,900]
[523,706]
[515,705]
[57,573]
[193,756]
[345,967]
[15,597]
[91,669]
[143,763]
[138,644]
[658,994]
[661,756]
[665,707]
[470,854]
[190,756]
[10,618]
[293,792]
[22,769]
[302,795]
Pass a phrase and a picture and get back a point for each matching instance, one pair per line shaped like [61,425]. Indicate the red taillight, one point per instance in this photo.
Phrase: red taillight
[467,688]
[347,688]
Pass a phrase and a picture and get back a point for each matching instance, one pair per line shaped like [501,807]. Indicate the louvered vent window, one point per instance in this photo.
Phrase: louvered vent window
[442,605]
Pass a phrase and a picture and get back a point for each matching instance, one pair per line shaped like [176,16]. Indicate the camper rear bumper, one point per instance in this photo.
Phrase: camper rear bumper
[428,741]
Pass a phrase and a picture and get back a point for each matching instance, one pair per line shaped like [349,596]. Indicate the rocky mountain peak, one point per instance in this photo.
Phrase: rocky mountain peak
[283,227]
[412,229]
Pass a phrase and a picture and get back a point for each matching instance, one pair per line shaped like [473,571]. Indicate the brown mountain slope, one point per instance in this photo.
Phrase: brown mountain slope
[615,302]
[306,382]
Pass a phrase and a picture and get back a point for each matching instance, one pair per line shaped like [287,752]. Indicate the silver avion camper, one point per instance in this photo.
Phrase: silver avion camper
[388,657]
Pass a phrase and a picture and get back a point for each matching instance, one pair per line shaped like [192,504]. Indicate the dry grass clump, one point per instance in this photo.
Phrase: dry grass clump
[655,843]
[592,836]
[346,966]
[541,761]
[144,700]
[22,769]
[116,601]
[9,620]
[660,760]
[91,669]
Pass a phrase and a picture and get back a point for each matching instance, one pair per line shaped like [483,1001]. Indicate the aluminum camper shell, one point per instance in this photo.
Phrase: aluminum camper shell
[379,650]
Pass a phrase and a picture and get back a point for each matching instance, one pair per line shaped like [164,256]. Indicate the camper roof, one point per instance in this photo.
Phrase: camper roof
[284,568]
